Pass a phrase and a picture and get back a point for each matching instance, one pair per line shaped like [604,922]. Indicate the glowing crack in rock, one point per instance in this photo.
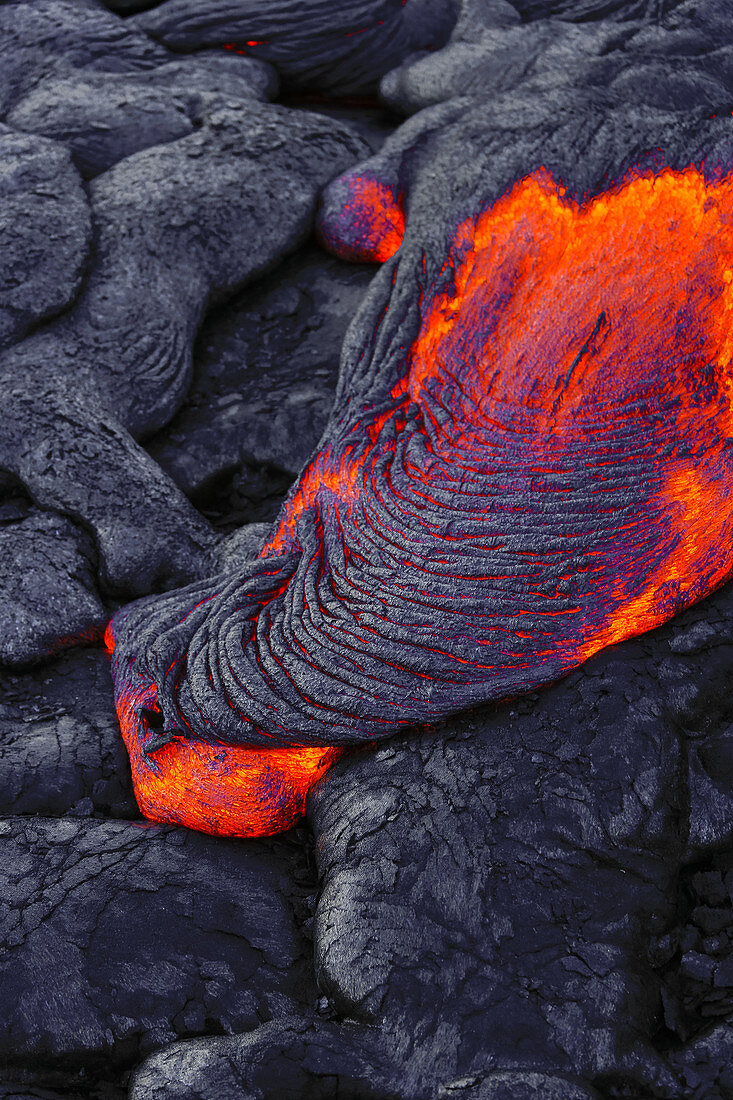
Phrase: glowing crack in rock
[550,474]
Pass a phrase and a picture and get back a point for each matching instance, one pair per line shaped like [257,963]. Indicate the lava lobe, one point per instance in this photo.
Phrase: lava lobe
[546,473]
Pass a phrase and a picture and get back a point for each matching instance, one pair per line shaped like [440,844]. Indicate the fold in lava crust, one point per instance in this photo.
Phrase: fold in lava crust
[542,471]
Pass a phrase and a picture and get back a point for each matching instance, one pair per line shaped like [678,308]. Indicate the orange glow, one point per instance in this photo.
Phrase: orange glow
[557,455]
[563,322]
[323,480]
[632,293]
[701,525]
[370,223]
[215,788]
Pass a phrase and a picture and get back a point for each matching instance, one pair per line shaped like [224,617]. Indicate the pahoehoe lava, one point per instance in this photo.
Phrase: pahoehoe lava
[527,462]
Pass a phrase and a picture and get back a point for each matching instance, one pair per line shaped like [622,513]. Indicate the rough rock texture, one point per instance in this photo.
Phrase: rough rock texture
[678,58]
[44,232]
[531,891]
[60,745]
[104,117]
[366,614]
[532,901]
[202,188]
[266,371]
[110,947]
[57,558]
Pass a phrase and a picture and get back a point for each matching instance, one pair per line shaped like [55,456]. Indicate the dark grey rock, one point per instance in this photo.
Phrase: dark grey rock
[176,227]
[60,744]
[104,117]
[47,577]
[290,1060]
[338,48]
[522,846]
[672,64]
[266,367]
[242,545]
[535,850]
[127,7]
[532,901]
[282,1060]
[39,37]
[516,1086]
[499,899]
[23,1092]
[117,938]
[45,232]
[705,1065]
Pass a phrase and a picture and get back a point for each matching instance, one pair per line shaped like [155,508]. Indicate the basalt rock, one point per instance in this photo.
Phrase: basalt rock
[678,61]
[528,900]
[177,226]
[521,904]
[55,549]
[104,117]
[118,937]
[266,372]
[60,745]
[45,232]
[336,48]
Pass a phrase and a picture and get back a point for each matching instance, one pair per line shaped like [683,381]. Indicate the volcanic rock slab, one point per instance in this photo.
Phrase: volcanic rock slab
[266,372]
[119,937]
[44,232]
[339,48]
[60,747]
[679,60]
[499,912]
[58,560]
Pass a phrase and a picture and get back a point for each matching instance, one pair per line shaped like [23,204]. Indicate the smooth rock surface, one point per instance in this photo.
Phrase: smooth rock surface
[341,49]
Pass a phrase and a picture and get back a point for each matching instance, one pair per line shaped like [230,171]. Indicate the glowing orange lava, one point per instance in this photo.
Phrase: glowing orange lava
[567,324]
[215,788]
[551,474]
[370,224]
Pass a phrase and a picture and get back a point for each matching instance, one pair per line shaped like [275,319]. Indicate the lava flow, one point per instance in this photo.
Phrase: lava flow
[550,474]
[365,223]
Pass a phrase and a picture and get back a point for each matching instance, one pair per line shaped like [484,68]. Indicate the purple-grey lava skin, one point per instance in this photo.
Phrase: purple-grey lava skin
[510,886]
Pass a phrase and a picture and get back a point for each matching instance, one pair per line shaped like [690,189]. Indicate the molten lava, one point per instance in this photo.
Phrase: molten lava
[551,474]
[369,224]
[215,788]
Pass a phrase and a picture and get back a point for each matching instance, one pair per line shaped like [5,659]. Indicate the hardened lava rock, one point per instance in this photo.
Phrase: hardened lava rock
[45,231]
[121,937]
[678,57]
[266,371]
[527,901]
[341,48]
[199,187]
[522,903]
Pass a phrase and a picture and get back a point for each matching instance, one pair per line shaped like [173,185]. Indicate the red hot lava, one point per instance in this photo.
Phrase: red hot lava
[554,469]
